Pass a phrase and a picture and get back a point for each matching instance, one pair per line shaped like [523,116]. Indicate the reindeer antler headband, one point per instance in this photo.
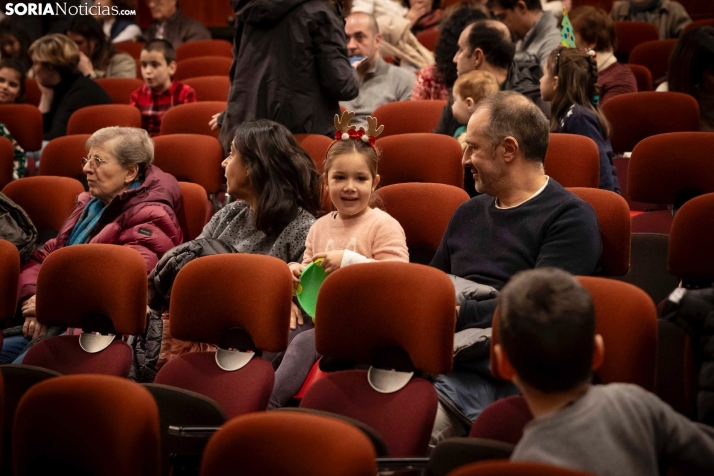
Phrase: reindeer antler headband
[346,131]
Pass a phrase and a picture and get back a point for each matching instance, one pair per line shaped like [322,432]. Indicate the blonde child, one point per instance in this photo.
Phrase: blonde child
[570,82]
[469,89]
[354,233]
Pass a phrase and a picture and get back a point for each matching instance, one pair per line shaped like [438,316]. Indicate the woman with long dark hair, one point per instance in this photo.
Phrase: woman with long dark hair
[276,188]
[15,42]
[691,71]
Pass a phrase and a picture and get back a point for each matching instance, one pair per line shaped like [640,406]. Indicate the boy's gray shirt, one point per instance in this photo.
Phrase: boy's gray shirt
[618,429]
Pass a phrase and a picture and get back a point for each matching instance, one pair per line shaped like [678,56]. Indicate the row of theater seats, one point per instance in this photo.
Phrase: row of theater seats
[196,62]
[215,295]
[638,45]
[119,90]
[108,426]
[634,117]
[668,165]
[360,311]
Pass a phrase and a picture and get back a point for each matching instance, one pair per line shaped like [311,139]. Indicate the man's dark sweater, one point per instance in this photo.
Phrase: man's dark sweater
[488,245]
[72,93]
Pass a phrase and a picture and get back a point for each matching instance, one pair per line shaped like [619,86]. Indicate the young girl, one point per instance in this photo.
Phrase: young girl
[12,90]
[354,233]
[570,83]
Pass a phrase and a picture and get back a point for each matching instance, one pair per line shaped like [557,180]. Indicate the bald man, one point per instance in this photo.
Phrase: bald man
[380,82]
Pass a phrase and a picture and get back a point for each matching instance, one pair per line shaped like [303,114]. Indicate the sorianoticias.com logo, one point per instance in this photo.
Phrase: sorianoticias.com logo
[63,9]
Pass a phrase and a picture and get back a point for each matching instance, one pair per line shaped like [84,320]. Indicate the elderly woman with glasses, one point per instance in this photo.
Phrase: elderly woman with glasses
[130,203]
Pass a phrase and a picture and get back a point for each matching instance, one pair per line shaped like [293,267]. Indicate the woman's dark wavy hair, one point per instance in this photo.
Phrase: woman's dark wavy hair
[447,44]
[692,56]
[91,30]
[14,27]
[13,63]
[282,174]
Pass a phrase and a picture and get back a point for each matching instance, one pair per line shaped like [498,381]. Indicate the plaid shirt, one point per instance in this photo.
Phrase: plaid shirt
[153,106]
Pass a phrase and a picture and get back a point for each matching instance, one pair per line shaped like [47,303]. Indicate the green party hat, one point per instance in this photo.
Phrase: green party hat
[566,33]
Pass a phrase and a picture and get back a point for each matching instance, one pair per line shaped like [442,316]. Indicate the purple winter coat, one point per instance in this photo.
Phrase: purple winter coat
[144,218]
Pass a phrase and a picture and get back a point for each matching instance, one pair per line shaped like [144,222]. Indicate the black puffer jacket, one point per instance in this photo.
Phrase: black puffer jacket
[146,347]
[694,311]
[290,65]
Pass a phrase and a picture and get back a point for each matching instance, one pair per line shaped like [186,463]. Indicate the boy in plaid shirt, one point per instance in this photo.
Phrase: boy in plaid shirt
[159,92]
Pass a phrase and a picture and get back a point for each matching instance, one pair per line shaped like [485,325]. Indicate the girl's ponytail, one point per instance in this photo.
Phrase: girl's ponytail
[577,84]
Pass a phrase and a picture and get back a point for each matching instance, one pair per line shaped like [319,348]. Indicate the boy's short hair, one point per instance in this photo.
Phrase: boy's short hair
[547,329]
[476,85]
[163,46]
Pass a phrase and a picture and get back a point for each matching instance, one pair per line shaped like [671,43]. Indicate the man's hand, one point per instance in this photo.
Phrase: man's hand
[295,316]
[296,271]
[331,260]
[213,123]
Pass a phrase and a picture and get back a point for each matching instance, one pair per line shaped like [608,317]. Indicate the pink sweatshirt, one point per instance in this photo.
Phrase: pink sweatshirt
[372,236]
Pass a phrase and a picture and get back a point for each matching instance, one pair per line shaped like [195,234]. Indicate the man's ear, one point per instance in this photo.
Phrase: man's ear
[377,40]
[478,58]
[510,148]
[520,7]
[505,369]
[598,352]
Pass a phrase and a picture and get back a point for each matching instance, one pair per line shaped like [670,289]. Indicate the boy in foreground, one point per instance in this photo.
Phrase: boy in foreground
[549,349]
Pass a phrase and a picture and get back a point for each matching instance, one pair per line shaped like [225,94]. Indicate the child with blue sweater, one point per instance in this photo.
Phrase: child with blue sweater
[569,82]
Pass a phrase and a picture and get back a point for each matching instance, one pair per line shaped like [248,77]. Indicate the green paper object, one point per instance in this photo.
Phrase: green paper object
[310,281]
[567,38]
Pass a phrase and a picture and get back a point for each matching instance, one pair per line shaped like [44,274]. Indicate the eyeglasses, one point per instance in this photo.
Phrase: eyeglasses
[93,162]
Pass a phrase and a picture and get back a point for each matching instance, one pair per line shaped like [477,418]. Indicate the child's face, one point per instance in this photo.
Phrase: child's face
[350,184]
[9,85]
[462,108]
[548,83]
[10,46]
[156,72]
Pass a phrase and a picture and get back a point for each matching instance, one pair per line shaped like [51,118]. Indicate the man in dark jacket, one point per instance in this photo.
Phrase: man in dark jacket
[172,25]
[290,66]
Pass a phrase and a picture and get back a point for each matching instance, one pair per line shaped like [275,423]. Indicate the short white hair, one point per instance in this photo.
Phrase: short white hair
[130,145]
